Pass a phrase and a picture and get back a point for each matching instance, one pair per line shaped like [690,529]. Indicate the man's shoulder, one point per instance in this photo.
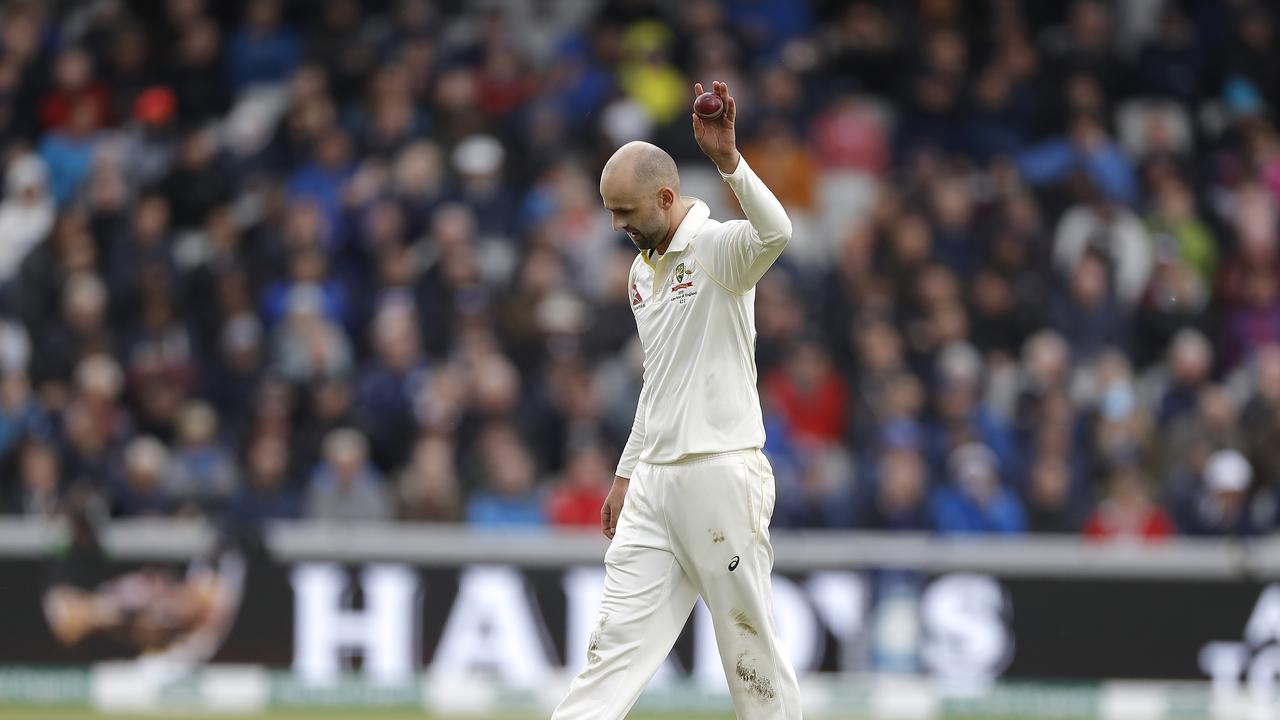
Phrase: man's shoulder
[714,231]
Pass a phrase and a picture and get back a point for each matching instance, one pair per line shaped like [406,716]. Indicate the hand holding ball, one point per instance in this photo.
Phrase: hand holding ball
[714,115]
[708,106]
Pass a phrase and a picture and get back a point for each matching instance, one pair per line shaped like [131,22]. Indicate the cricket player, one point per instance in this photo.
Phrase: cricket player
[689,510]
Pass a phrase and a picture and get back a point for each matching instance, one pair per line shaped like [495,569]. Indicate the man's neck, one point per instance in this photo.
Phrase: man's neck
[676,219]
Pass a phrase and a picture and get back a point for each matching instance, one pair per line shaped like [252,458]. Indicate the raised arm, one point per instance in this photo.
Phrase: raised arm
[740,256]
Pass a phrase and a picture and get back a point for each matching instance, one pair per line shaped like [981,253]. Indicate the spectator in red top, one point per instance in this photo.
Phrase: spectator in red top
[579,495]
[73,84]
[1127,512]
[808,392]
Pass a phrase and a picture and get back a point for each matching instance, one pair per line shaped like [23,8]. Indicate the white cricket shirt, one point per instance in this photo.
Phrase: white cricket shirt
[695,310]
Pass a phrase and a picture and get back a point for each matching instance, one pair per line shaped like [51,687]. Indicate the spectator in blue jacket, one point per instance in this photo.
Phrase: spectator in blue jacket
[509,497]
[262,51]
[1086,149]
[975,501]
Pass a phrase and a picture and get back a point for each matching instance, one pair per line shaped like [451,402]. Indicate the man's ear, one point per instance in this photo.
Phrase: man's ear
[666,198]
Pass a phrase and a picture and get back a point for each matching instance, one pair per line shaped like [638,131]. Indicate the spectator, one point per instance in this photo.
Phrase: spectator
[823,495]
[229,384]
[1088,313]
[75,92]
[197,73]
[387,386]
[900,501]
[509,497]
[1050,503]
[140,489]
[1260,416]
[428,487]
[780,159]
[1172,63]
[322,180]
[308,346]
[69,150]
[1086,149]
[266,492]
[40,480]
[26,214]
[1246,286]
[478,160]
[203,472]
[646,73]
[974,501]
[344,487]
[198,182]
[1224,505]
[1127,511]
[1114,234]
[577,498]
[810,395]
[19,411]
[1190,360]
[1175,215]
[263,50]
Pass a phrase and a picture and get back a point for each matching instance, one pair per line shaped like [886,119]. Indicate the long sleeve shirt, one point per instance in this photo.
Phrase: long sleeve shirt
[695,310]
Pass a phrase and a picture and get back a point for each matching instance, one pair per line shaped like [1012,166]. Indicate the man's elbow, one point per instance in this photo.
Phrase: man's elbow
[781,235]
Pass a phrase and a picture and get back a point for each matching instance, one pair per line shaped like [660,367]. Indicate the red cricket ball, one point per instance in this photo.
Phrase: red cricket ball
[708,106]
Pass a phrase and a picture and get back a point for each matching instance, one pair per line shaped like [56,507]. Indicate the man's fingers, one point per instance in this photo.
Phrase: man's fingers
[697,89]
[730,109]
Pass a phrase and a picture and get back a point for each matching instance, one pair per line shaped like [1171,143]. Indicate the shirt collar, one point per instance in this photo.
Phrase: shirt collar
[689,226]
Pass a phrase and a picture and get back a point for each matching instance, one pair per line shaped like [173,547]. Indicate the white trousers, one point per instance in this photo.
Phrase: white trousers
[689,529]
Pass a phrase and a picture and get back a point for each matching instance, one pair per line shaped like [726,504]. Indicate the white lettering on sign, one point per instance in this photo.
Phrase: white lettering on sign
[492,629]
[965,635]
[495,628]
[841,602]
[1256,660]
[327,630]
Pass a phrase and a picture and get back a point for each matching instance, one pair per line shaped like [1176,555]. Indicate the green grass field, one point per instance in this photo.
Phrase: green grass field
[42,712]
[72,713]
[68,713]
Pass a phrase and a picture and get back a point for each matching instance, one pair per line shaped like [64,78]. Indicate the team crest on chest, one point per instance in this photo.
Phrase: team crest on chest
[682,272]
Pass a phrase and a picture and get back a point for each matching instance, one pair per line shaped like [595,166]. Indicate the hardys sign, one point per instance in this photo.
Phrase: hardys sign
[388,622]
[521,628]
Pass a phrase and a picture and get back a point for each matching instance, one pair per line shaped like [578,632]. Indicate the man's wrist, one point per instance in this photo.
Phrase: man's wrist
[729,165]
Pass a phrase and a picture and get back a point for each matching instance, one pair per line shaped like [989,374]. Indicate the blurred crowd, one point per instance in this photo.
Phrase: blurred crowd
[346,260]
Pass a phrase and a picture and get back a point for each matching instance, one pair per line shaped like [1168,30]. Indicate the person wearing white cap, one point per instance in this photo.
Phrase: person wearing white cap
[1224,506]
[26,214]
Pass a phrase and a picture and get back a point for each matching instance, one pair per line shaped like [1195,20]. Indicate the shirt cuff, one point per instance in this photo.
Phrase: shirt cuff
[738,172]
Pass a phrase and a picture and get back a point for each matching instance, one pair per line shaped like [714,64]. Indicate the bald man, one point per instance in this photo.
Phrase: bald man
[689,510]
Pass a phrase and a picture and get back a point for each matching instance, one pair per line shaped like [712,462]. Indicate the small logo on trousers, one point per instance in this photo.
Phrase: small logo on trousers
[733,564]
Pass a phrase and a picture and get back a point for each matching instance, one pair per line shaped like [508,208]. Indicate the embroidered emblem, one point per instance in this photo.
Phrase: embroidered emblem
[681,273]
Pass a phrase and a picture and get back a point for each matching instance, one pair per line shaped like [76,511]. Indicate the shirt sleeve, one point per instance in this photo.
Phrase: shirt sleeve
[635,443]
[743,250]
